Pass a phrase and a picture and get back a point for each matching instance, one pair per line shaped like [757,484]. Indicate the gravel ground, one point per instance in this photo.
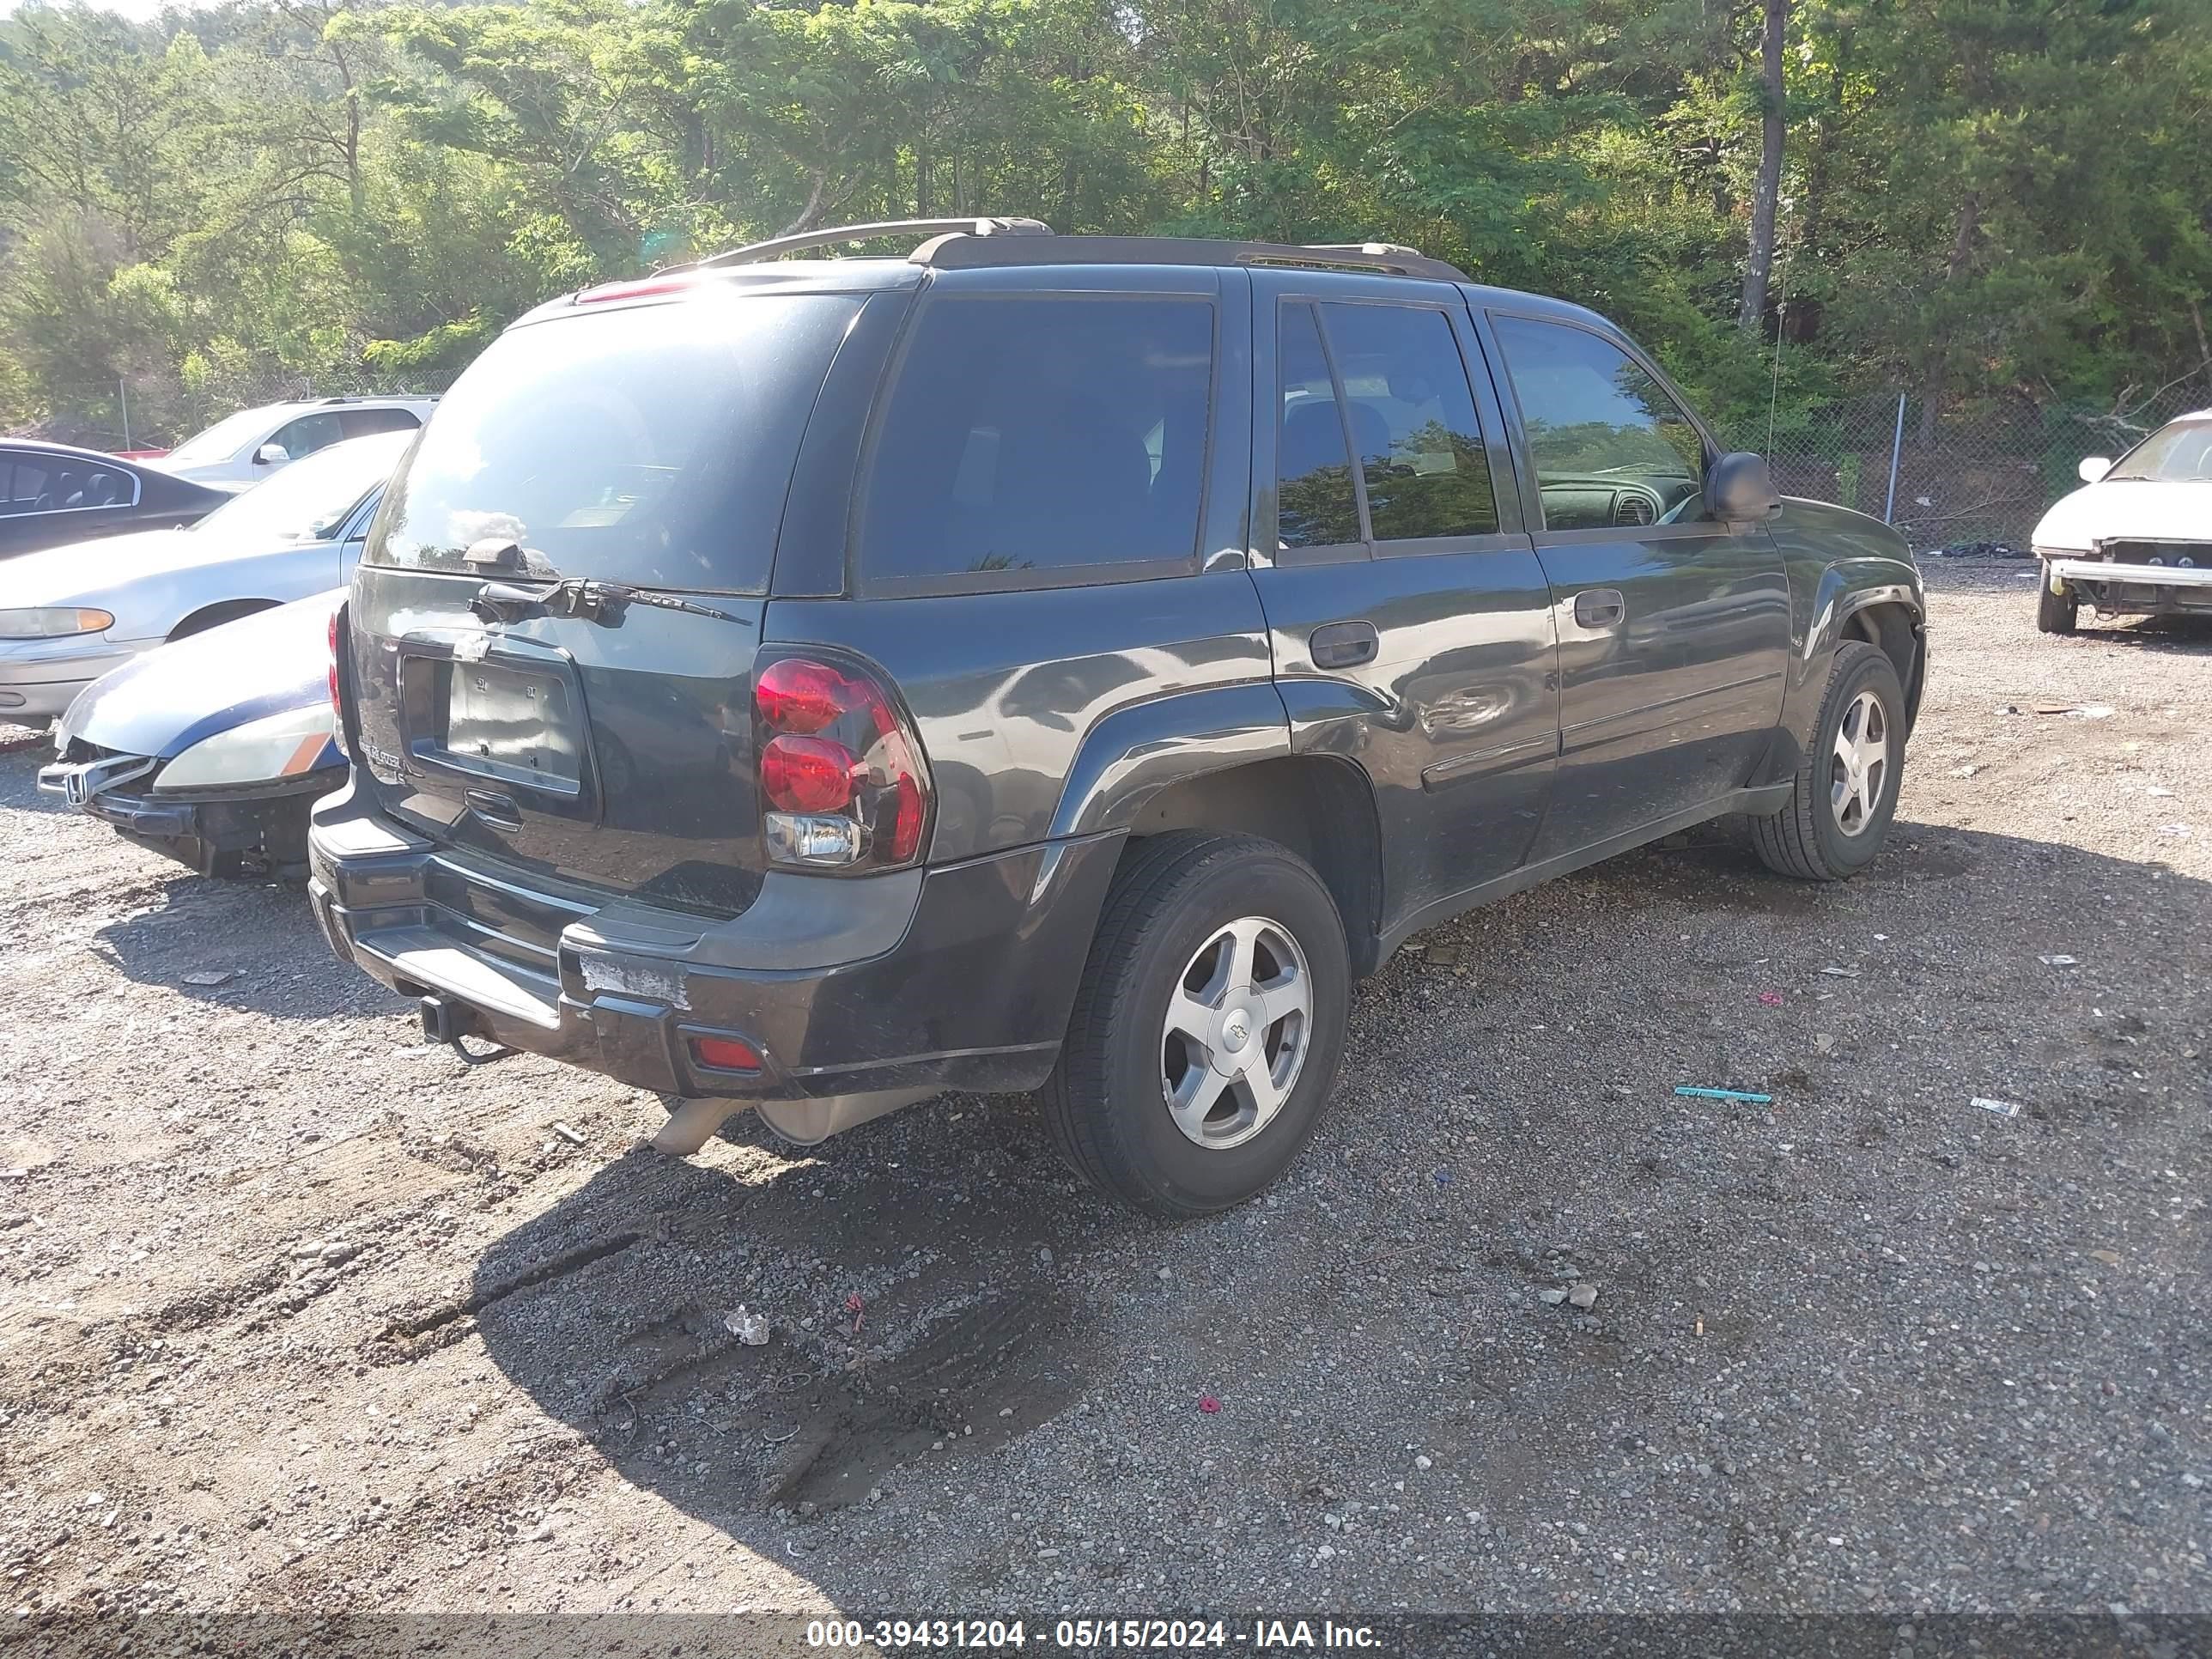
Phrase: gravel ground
[300,1312]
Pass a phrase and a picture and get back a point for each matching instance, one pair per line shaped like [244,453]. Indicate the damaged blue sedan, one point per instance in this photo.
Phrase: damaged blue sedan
[213,749]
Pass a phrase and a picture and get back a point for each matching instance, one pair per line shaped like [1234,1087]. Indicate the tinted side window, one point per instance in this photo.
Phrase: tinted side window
[307,434]
[1041,432]
[1609,445]
[72,485]
[1414,420]
[1314,503]
[105,486]
[27,483]
[361,423]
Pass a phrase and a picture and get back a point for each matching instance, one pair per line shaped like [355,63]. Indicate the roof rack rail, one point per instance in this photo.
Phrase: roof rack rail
[963,252]
[836,235]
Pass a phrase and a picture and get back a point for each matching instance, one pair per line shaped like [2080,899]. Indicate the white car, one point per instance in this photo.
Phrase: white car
[70,614]
[248,446]
[2138,540]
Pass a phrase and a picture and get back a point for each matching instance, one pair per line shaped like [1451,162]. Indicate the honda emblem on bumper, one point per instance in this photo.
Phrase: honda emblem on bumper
[79,783]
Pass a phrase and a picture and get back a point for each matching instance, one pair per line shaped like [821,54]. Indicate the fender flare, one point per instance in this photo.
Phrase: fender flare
[1844,590]
[1140,750]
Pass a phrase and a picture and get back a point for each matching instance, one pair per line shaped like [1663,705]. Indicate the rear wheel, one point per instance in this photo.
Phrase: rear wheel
[2056,613]
[1207,1030]
[1845,792]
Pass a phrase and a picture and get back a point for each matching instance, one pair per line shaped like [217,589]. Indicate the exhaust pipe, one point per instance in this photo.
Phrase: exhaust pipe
[692,1124]
[806,1122]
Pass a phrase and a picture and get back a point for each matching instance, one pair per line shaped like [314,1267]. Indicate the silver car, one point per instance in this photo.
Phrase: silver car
[68,615]
[248,447]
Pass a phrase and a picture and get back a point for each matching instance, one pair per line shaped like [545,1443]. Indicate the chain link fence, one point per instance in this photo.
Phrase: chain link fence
[1971,480]
[1976,478]
[154,412]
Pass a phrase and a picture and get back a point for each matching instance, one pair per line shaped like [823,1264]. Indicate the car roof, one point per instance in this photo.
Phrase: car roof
[75,451]
[301,405]
[869,273]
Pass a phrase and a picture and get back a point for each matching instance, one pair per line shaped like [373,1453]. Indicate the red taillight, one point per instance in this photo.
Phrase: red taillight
[808,774]
[841,776]
[905,820]
[337,709]
[797,696]
[726,1054]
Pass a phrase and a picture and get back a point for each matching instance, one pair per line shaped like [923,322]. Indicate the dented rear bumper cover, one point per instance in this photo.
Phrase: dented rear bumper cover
[956,977]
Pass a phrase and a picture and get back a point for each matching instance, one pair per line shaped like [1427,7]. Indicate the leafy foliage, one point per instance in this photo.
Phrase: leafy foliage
[1986,201]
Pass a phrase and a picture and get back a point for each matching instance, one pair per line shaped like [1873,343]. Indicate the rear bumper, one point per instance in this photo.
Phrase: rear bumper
[960,977]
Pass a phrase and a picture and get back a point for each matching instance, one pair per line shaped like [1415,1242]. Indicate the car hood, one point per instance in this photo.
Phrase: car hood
[167,700]
[84,570]
[2180,511]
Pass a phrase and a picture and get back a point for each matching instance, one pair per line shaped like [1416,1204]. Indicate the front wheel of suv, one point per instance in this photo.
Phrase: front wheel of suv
[1845,795]
[1206,1033]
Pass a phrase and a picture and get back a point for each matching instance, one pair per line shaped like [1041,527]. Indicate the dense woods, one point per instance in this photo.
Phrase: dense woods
[1992,203]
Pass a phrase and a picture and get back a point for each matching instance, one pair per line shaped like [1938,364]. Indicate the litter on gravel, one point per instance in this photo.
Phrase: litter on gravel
[750,1328]
[1722,1094]
[1834,972]
[210,976]
[2001,1107]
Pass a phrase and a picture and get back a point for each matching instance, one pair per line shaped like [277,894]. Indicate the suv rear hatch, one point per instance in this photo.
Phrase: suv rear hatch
[594,739]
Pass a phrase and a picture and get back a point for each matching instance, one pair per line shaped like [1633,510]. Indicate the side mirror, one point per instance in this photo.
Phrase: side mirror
[1739,489]
[271,455]
[2094,468]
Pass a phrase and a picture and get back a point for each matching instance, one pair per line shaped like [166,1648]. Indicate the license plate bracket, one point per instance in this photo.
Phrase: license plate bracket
[517,725]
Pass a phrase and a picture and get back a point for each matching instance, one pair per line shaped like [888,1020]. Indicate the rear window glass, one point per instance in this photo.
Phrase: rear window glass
[650,446]
[1049,434]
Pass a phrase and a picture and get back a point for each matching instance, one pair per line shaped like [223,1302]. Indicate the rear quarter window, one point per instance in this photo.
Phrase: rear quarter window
[650,445]
[1031,439]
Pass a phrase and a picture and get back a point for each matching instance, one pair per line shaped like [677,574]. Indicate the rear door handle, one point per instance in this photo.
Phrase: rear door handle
[496,809]
[1600,607]
[1343,645]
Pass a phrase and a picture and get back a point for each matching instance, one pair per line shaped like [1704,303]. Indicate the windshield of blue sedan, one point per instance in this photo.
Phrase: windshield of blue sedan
[310,499]
[2180,453]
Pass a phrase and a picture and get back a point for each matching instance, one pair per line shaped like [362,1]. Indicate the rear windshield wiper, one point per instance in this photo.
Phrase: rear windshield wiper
[572,596]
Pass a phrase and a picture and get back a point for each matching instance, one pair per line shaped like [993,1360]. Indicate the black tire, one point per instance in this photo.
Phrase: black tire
[2055,613]
[1105,1104]
[1807,839]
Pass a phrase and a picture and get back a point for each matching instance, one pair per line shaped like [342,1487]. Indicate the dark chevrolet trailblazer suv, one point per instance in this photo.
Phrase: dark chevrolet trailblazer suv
[1059,663]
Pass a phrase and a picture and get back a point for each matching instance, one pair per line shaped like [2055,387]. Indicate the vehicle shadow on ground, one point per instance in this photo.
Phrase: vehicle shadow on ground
[986,1275]
[2182,635]
[238,945]
[946,1223]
